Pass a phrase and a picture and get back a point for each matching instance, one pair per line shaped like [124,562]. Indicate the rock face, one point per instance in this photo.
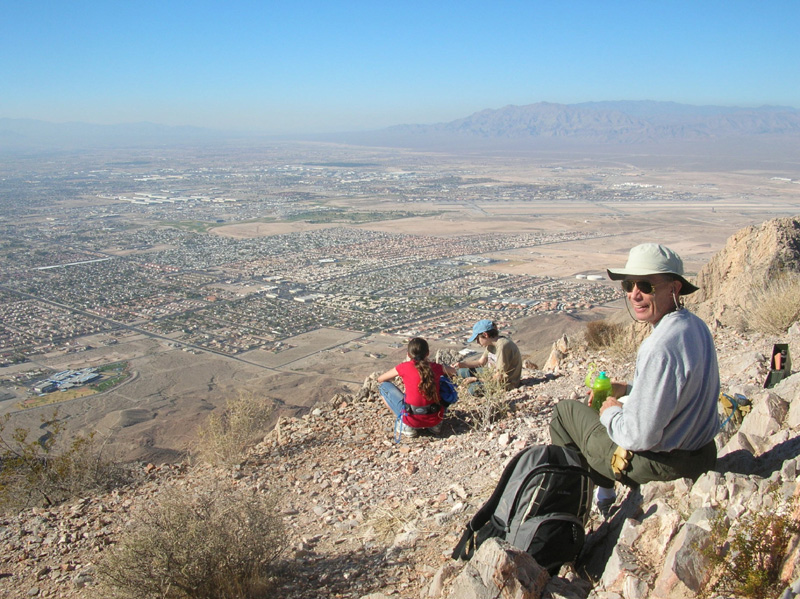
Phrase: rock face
[751,257]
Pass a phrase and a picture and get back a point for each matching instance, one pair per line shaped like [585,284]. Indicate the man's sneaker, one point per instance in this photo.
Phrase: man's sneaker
[436,429]
[408,431]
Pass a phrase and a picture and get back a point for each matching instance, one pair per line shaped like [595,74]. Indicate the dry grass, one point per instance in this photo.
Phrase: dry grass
[210,541]
[775,307]
[225,438]
[601,333]
[619,342]
[480,412]
[384,524]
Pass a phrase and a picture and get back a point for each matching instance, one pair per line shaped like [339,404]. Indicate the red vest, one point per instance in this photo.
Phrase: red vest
[408,372]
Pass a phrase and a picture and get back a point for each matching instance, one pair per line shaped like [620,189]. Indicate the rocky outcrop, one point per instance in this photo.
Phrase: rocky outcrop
[446,356]
[498,570]
[557,354]
[751,257]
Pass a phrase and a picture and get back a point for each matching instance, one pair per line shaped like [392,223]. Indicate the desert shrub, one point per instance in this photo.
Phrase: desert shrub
[50,469]
[618,341]
[210,541]
[747,557]
[224,438]
[776,306]
[480,412]
[600,333]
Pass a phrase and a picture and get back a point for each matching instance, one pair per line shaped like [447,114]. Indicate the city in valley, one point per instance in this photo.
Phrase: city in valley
[141,289]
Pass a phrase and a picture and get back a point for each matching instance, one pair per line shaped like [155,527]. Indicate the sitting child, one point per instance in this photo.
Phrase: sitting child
[421,406]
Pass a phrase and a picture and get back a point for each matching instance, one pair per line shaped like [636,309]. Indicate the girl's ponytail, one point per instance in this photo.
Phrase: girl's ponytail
[418,351]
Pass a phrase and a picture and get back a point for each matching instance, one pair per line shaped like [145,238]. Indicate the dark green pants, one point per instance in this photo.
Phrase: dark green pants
[578,426]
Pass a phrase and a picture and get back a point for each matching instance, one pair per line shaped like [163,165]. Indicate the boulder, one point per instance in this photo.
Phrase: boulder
[557,354]
[500,571]
[685,567]
[766,416]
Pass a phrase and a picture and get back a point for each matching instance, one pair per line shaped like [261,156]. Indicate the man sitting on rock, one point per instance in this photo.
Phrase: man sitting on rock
[662,425]
[500,355]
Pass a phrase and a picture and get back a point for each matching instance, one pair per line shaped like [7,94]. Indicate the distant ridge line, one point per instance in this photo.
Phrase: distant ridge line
[605,124]
[618,122]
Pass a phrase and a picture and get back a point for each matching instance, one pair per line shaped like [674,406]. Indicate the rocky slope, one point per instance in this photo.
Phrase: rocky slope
[367,517]
[370,517]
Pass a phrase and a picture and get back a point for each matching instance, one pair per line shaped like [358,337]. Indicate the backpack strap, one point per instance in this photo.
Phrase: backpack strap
[398,427]
[466,546]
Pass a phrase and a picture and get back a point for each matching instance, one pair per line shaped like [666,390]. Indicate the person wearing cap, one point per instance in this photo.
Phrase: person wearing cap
[662,425]
[500,354]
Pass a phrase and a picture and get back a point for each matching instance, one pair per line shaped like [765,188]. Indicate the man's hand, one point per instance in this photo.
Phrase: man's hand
[618,389]
[609,403]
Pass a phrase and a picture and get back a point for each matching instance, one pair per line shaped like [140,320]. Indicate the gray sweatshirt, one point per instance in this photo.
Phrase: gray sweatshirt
[672,403]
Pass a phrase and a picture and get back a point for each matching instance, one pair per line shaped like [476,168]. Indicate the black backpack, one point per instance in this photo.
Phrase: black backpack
[540,505]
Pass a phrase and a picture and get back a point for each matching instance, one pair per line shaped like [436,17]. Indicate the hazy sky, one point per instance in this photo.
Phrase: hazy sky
[312,66]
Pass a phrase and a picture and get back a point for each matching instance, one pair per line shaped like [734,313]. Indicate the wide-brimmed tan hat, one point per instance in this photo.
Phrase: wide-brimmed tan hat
[653,259]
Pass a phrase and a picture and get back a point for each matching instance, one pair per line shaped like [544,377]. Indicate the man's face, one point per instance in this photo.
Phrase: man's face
[653,306]
[483,339]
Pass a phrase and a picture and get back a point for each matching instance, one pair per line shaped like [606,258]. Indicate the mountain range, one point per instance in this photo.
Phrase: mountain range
[619,122]
[614,124]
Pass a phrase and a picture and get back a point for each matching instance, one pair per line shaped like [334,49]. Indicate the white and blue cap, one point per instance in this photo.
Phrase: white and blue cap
[480,327]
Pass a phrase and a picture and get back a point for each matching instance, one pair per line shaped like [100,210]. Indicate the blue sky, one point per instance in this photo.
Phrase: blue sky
[306,66]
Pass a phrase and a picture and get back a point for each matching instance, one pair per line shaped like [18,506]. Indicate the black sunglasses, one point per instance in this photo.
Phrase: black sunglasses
[645,287]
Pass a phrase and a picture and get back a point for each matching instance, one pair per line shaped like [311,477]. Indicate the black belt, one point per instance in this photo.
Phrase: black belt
[431,408]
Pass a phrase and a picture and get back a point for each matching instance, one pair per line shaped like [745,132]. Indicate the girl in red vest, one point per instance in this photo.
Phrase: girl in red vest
[420,407]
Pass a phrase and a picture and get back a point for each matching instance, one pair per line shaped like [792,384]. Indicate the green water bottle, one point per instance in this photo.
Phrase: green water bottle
[601,387]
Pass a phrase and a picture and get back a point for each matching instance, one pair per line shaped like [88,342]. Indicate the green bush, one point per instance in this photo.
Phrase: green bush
[224,438]
[776,306]
[747,557]
[210,541]
[49,470]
